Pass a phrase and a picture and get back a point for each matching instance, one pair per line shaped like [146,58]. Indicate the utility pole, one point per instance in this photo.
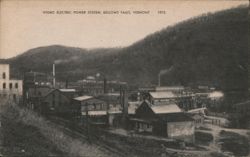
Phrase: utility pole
[124,103]
[87,120]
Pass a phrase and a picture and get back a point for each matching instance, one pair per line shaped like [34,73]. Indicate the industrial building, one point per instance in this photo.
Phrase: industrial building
[10,89]
[164,120]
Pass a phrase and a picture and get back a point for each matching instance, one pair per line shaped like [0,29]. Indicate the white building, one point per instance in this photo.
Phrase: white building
[10,89]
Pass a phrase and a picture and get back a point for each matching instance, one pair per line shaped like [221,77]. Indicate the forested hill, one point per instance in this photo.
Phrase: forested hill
[211,50]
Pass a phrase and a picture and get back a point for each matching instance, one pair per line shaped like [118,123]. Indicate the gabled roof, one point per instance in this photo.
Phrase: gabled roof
[69,95]
[67,90]
[169,108]
[169,88]
[167,113]
[83,98]
[163,108]
[197,110]
[89,100]
[162,95]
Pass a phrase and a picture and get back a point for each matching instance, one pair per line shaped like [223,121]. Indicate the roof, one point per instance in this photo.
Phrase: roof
[114,111]
[162,95]
[67,90]
[83,98]
[89,100]
[169,88]
[95,113]
[169,108]
[69,95]
[215,95]
[112,94]
[197,110]
[243,103]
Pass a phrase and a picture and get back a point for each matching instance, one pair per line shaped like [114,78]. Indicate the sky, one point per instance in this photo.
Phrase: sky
[26,24]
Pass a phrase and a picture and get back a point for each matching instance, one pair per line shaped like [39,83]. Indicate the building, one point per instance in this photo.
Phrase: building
[161,97]
[113,99]
[47,100]
[10,89]
[33,84]
[96,87]
[34,96]
[59,102]
[175,89]
[242,114]
[164,120]
[243,108]
[90,110]
[199,119]
[105,110]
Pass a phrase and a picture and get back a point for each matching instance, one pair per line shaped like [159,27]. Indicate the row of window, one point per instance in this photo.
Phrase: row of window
[8,96]
[143,125]
[10,85]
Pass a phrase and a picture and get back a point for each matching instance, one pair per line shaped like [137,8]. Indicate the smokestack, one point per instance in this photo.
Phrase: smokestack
[125,103]
[104,85]
[54,76]
[125,108]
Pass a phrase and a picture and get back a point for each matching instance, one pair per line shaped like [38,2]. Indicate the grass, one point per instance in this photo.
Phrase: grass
[20,139]
[203,138]
[217,154]
[42,136]
[235,143]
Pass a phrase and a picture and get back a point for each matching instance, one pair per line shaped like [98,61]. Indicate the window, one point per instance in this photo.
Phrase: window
[10,85]
[16,85]
[4,75]
[4,85]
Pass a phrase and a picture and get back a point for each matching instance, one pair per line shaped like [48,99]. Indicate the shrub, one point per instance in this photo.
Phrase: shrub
[203,137]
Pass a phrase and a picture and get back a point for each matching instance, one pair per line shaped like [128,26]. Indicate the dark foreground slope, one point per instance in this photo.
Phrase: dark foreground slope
[210,49]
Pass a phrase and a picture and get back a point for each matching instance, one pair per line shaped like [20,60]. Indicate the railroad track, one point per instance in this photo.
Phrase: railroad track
[80,133]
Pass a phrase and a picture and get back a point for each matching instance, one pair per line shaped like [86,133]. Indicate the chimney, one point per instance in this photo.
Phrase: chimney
[124,104]
[54,76]
[104,85]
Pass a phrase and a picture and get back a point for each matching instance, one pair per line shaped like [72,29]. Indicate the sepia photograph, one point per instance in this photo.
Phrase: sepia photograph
[124,78]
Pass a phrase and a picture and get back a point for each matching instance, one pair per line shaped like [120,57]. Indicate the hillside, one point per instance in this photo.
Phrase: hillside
[211,49]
